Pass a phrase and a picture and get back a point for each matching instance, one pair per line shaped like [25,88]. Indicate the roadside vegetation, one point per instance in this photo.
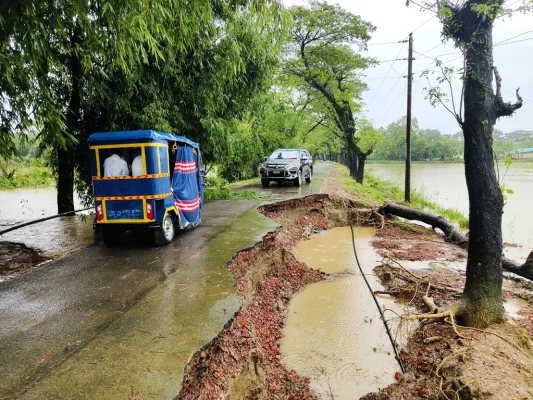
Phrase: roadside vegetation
[432,145]
[29,169]
[218,188]
[375,191]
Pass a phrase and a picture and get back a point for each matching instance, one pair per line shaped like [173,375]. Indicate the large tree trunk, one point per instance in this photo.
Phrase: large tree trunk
[351,161]
[361,170]
[482,296]
[65,157]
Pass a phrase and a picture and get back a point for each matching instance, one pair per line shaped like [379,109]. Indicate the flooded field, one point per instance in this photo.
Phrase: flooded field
[334,334]
[449,190]
[53,237]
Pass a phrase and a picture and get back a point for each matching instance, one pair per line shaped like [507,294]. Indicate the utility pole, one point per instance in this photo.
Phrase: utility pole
[408,130]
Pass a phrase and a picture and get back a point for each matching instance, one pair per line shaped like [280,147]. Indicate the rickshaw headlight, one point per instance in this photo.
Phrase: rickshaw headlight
[99,212]
[149,211]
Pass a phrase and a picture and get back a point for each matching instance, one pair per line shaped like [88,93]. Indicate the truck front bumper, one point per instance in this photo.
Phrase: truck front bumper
[279,174]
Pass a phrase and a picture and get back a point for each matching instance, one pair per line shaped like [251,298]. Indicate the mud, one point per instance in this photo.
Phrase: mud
[467,364]
[244,360]
[422,245]
[16,258]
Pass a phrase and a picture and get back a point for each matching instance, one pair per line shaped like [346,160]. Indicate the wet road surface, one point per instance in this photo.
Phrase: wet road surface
[121,323]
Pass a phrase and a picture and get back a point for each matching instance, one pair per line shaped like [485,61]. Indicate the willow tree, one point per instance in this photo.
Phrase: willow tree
[59,56]
[469,24]
[321,57]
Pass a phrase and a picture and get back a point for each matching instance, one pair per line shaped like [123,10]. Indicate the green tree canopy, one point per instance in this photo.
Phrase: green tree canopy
[321,61]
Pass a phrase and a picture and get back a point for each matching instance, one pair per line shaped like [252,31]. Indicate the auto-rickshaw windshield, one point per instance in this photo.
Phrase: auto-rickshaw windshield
[285,154]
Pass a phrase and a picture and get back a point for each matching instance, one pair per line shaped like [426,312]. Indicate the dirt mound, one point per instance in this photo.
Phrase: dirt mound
[492,364]
[467,364]
[415,243]
[16,258]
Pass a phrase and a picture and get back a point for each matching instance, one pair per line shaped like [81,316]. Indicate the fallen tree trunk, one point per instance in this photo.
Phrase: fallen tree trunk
[453,234]
[525,270]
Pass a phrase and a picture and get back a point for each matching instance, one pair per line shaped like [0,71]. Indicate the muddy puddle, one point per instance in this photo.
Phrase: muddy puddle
[334,334]
[514,306]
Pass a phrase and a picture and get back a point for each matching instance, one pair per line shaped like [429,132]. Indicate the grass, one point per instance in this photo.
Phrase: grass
[375,191]
[26,177]
[223,193]
[244,182]
[524,340]
[406,227]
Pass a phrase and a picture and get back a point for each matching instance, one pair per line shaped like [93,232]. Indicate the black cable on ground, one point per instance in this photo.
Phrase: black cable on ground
[377,304]
[43,219]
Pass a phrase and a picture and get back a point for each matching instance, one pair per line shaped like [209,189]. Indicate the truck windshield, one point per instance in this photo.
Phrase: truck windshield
[285,154]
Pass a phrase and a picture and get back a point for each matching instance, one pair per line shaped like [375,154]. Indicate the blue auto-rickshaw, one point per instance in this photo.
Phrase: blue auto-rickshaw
[168,195]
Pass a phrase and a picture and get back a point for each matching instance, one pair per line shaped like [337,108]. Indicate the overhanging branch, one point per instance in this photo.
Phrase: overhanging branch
[504,109]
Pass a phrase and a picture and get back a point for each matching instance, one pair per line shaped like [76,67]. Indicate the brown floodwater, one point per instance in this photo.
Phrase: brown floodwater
[449,190]
[334,334]
[54,237]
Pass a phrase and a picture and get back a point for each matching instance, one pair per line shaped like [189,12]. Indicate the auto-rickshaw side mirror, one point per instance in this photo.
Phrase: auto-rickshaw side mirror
[265,158]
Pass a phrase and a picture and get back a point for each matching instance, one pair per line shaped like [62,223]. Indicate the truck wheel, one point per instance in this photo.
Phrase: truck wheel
[111,235]
[298,181]
[164,234]
[310,177]
[265,182]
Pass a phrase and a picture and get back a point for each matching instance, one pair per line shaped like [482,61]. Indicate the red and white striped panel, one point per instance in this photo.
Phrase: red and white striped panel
[185,166]
[187,206]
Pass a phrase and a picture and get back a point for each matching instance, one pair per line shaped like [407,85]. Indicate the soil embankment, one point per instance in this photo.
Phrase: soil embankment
[244,360]
[16,258]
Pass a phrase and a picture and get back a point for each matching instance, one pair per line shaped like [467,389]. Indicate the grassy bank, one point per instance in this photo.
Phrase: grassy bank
[25,177]
[375,191]
[223,193]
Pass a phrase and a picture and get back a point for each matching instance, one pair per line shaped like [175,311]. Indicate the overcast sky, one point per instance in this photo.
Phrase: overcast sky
[386,98]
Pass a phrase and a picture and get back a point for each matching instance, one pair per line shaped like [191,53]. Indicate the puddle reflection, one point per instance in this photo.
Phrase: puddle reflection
[334,334]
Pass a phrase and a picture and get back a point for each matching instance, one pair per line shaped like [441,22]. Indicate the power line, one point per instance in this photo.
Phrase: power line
[387,95]
[387,74]
[520,96]
[514,41]
[522,34]
[386,77]
[421,25]
[395,100]
[433,48]
[381,44]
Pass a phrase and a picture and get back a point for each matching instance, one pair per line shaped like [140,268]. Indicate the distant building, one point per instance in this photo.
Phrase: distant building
[519,154]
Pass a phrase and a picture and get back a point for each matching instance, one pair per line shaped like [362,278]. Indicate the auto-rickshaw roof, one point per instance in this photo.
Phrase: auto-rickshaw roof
[139,135]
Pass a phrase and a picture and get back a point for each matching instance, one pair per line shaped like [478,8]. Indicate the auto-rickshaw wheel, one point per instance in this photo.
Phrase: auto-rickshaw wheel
[110,235]
[164,234]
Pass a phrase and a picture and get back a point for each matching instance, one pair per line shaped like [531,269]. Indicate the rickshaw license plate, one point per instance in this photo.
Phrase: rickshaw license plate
[276,172]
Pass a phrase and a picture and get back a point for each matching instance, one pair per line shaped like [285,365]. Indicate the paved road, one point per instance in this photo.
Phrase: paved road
[121,323]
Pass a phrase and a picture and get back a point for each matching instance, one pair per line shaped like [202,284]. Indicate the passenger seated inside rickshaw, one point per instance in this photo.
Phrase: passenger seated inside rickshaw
[121,161]
[137,163]
[114,165]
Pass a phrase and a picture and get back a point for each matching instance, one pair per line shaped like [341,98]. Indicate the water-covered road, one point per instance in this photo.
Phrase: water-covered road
[121,323]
